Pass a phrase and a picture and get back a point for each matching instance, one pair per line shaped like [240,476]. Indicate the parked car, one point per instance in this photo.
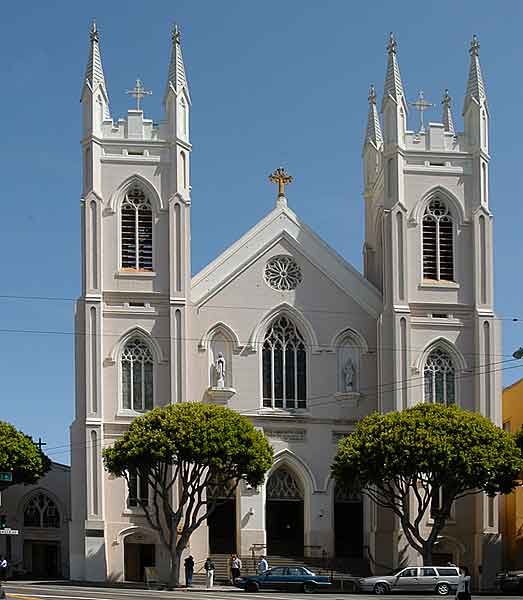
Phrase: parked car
[510,581]
[292,579]
[442,580]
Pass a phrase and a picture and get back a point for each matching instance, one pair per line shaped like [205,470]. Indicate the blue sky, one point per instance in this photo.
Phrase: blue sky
[272,82]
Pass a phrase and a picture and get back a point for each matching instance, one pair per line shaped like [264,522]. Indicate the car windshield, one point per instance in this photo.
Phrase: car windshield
[308,571]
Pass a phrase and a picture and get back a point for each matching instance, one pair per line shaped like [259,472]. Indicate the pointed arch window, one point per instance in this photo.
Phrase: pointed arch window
[439,376]
[438,242]
[136,231]
[42,512]
[137,376]
[284,366]
[282,485]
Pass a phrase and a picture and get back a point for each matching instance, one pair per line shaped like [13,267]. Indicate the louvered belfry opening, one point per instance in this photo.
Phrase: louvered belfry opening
[438,242]
[137,231]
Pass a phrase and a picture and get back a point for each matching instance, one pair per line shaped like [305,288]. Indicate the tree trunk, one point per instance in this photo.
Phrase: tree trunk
[174,576]
[427,553]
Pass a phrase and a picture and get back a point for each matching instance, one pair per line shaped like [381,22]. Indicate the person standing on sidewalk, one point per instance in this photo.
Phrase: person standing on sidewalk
[189,570]
[463,590]
[236,566]
[209,571]
[3,568]
[263,565]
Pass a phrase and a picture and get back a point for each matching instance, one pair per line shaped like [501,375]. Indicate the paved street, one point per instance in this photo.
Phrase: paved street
[35,591]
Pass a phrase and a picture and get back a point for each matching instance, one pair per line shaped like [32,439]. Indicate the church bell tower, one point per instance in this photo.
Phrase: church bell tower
[131,317]
[428,248]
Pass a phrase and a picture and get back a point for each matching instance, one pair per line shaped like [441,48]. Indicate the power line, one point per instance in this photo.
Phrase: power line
[155,302]
[328,397]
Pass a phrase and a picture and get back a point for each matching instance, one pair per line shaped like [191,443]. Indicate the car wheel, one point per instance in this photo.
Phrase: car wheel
[381,588]
[309,587]
[252,587]
[443,589]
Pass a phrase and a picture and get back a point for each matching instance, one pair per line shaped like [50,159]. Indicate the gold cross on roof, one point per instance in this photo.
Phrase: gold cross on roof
[280,177]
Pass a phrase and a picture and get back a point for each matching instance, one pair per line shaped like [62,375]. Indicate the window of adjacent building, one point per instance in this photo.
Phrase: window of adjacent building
[42,512]
[284,366]
[137,231]
[137,376]
[439,378]
[138,490]
[438,242]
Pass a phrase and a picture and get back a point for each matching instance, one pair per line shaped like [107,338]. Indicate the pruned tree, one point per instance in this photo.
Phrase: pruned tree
[418,462]
[181,450]
[20,456]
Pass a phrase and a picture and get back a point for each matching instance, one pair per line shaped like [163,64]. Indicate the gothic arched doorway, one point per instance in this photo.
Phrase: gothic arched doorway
[284,514]
[348,523]
[222,521]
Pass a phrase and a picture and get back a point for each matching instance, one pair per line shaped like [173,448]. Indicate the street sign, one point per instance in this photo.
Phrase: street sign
[9,531]
[6,476]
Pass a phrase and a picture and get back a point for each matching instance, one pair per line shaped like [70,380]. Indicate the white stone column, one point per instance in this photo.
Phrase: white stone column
[250,522]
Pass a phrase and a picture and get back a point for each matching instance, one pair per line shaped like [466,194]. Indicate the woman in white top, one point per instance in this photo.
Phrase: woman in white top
[463,591]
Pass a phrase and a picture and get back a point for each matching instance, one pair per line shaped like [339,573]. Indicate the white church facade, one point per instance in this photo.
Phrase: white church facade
[280,327]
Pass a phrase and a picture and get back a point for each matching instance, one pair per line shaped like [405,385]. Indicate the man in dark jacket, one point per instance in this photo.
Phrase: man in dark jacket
[189,570]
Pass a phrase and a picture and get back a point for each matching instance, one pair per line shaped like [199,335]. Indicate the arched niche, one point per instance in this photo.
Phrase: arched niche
[349,346]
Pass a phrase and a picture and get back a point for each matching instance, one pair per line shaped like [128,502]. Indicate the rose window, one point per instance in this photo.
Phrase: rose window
[282,273]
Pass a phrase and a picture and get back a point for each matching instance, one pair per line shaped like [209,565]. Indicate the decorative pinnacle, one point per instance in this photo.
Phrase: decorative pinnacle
[176,34]
[392,45]
[93,33]
[372,94]
[474,46]
[280,177]
[447,100]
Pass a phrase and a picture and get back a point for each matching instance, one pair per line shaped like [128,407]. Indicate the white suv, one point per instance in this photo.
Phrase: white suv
[442,580]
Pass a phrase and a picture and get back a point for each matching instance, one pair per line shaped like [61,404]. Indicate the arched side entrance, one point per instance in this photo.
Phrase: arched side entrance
[139,553]
[222,522]
[348,523]
[284,511]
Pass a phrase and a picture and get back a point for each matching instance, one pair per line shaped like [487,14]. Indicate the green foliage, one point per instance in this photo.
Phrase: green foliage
[444,443]
[192,445]
[20,455]
[399,456]
[194,433]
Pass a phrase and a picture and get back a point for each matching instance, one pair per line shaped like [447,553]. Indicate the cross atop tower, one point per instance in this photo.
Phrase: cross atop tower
[421,105]
[282,178]
[138,92]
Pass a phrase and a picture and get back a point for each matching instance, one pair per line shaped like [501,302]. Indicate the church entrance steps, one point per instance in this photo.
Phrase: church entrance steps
[338,568]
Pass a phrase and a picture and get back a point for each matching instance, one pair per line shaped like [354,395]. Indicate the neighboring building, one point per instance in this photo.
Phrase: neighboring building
[310,345]
[511,506]
[41,514]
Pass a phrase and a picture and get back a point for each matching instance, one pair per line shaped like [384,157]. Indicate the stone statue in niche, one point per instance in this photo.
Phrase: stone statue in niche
[348,375]
[220,370]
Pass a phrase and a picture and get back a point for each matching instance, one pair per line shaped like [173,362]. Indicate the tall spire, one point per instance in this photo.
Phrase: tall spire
[448,121]
[475,84]
[94,73]
[393,85]
[176,77]
[373,133]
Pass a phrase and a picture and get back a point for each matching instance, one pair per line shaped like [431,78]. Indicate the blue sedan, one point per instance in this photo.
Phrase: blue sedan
[293,579]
